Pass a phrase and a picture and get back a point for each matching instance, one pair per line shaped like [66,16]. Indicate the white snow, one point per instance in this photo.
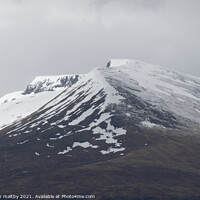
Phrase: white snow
[110,134]
[12,111]
[149,124]
[61,136]
[84,145]
[61,126]
[48,79]
[198,110]
[180,99]
[65,151]
[166,89]
[103,117]
[112,150]
[50,146]
[82,117]
[119,62]
[25,141]
[15,106]
[51,83]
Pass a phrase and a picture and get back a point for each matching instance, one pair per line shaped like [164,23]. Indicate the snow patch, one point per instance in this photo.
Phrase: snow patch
[149,124]
[25,141]
[50,146]
[112,150]
[65,151]
[84,145]
[109,134]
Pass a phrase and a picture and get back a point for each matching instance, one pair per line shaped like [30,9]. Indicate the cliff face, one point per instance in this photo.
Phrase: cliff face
[51,83]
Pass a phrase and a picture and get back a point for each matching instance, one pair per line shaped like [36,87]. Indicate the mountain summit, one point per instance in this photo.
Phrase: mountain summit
[124,124]
[51,83]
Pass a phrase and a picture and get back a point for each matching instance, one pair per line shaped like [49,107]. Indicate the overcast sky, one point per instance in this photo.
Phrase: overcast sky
[46,37]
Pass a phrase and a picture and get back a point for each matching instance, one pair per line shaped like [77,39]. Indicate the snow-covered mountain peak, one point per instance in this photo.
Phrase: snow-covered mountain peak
[49,78]
[51,83]
[118,62]
[163,88]
[135,65]
[136,68]
[167,89]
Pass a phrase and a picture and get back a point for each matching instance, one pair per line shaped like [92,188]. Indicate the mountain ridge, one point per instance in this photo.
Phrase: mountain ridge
[51,83]
[107,99]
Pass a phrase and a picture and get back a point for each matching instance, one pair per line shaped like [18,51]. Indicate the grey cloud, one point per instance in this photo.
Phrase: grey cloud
[41,37]
[133,4]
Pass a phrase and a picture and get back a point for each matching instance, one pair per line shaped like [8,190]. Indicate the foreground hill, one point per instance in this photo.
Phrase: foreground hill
[127,131]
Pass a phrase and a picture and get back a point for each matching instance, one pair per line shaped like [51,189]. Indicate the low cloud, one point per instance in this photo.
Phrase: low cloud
[40,37]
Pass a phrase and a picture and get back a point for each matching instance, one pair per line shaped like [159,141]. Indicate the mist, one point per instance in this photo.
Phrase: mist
[52,37]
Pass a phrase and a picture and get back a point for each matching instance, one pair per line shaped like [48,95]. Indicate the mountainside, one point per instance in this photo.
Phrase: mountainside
[20,104]
[123,131]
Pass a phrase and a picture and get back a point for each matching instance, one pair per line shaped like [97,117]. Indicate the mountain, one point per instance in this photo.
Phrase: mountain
[42,89]
[129,130]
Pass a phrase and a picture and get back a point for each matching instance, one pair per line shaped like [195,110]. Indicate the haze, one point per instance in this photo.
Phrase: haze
[50,37]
